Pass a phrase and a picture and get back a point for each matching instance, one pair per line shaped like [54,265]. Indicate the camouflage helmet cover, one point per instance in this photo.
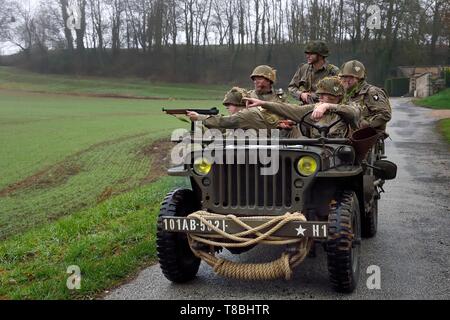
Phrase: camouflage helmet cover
[235,96]
[266,72]
[353,68]
[318,47]
[332,86]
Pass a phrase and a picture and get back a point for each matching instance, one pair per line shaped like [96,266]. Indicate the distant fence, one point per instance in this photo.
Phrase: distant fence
[397,87]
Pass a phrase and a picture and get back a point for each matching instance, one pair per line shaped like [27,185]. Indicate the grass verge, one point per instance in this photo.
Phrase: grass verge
[444,128]
[108,243]
[438,101]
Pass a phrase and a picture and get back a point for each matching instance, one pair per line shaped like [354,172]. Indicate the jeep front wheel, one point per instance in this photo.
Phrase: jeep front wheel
[343,243]
[177,261]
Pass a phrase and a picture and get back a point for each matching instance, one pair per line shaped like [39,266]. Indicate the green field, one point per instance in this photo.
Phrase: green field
[60,153]
[20,80]
[438,101]
[81,178]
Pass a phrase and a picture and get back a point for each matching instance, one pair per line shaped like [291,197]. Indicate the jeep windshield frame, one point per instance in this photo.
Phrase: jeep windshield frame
[283,141]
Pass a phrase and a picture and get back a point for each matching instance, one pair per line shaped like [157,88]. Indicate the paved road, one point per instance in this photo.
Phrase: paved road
[412,247]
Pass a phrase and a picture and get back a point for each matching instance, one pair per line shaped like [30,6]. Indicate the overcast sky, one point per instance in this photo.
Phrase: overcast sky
[7,47]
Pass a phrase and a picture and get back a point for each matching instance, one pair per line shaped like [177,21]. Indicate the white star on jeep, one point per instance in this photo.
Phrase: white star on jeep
[300,231]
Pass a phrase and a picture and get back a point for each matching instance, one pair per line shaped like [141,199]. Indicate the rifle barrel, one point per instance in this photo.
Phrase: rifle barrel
[212,111]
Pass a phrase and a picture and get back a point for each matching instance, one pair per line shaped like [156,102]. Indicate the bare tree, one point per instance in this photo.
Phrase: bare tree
[46,31]
[80,32]
[21,34]
[226,35]
[117,7]
[98,24]
[218,23]
[6,18]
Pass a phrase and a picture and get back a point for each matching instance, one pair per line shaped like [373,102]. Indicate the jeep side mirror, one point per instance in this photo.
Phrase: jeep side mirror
[385,170]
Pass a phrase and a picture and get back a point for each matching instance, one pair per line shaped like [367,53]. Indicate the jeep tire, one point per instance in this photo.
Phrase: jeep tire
[177,261]
[343,243]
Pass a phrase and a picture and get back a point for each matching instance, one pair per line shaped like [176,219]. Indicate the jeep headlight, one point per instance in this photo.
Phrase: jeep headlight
[307,166]
[202,166]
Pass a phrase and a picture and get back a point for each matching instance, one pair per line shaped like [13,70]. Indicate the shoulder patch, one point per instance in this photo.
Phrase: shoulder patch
[375,91]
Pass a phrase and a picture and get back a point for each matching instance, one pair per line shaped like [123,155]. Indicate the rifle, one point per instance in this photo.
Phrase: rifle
[208,112]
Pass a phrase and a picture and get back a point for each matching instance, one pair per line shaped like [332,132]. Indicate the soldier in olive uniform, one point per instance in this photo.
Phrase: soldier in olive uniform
[304,83]
[331,93]
[244,119]
[376,110]
[264,77]
[233,100]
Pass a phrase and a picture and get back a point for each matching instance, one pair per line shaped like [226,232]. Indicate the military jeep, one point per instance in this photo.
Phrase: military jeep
[334,184]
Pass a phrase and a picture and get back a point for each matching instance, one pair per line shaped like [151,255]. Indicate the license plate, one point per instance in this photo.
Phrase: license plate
[291,229]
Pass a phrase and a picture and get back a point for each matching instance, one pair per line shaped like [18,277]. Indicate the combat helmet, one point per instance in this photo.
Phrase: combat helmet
[266,72]
[318,47]
[332,86]
[353,68]
[234,97]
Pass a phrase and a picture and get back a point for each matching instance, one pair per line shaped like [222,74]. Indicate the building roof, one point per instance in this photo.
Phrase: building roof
[412,71]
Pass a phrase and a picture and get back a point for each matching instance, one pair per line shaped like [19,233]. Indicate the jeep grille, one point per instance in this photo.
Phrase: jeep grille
[241,186]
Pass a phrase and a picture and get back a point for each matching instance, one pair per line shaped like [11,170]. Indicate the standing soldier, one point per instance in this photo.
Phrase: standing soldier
[303,86]
[376,110]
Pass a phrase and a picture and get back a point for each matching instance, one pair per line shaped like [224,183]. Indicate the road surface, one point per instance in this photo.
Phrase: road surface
[412,247]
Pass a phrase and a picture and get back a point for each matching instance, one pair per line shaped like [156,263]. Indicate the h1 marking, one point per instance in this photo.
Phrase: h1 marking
[317,229]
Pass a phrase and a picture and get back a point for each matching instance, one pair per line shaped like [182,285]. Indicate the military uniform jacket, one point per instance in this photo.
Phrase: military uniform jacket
[255,118]
[350,115]
[246,119]
[306,79]
[271,97]
[374,103]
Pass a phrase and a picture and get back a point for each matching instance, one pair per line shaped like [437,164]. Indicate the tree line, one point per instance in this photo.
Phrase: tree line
[220,41]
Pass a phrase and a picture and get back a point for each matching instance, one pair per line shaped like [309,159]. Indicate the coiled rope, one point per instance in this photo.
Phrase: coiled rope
[281,268]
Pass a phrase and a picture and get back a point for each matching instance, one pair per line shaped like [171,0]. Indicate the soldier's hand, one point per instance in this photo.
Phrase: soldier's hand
[319,111]
[305,96]
[253,103]
[193,115]
[286,124]
[364,124]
